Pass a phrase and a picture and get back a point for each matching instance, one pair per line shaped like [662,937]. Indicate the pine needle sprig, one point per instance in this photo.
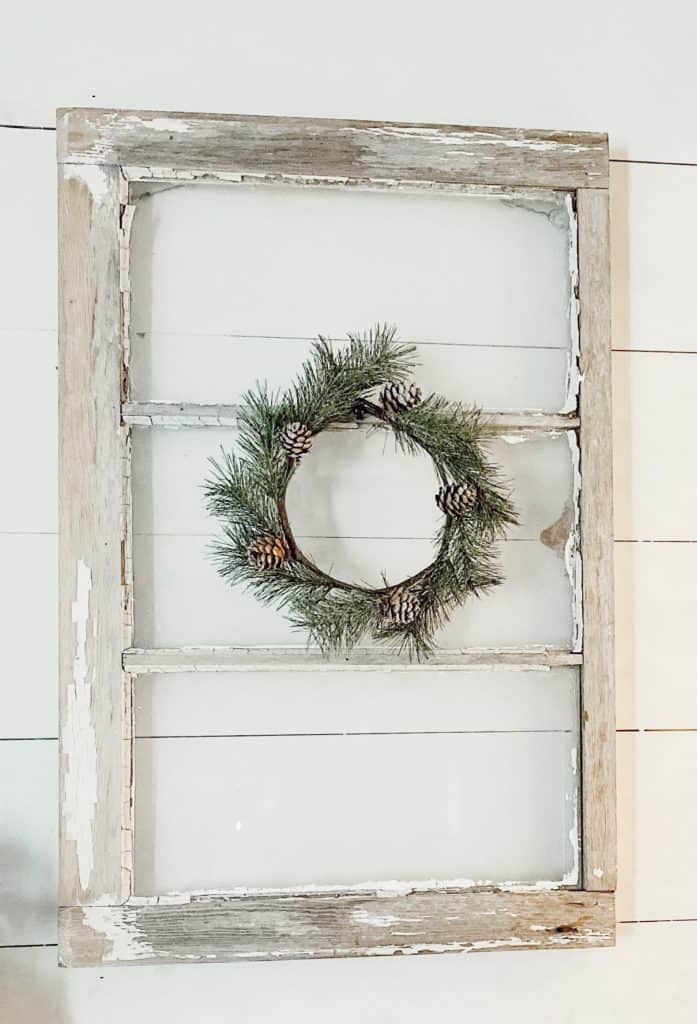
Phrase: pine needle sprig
[332,381]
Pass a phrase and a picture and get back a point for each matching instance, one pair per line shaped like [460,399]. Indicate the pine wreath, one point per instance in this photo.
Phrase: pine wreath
[247,492]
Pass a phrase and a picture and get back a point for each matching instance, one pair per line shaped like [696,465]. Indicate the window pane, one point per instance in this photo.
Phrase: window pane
[493,799]
[230,283]
[358,508]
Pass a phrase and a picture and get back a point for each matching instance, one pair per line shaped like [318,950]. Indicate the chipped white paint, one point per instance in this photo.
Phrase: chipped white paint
[78,739]
[381,889]
[96,178]
[300,658]
[121,933]
[166,124]
[598,872]
[573,374]
[190,414]
[572,550]
[572,876]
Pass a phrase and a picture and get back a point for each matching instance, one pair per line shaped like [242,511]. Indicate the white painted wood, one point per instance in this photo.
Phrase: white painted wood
[94,711]
[657,773]
[653,225]
[298,658]
[352,484]
[597,680]
[180,599]
[656,475]
[324,926]
[175,415]
[610,91]
[28,584]
[28,414]
[655,601]
[28,844]
[248,703]
[648,975]
[28,218]
[218,813]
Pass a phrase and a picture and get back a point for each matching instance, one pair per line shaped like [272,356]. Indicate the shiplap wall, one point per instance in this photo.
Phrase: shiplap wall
[606,67]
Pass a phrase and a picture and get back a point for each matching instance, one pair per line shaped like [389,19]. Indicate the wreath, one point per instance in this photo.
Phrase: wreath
[367,379]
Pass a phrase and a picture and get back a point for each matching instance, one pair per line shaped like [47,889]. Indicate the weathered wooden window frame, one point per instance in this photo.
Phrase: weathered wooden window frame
[103,155]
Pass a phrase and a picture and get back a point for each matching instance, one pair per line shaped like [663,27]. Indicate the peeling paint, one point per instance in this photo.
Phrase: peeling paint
[573,373]
[387,888]
[79,741]
[125,939]
[572,552]
[572,876]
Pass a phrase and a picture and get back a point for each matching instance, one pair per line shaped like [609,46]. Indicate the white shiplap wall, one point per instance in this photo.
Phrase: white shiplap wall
[609,67]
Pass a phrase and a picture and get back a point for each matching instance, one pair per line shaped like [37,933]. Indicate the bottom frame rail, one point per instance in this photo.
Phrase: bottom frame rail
[199,928]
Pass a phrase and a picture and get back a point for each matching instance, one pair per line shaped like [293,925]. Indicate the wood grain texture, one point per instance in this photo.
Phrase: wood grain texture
[598,692]
[300,659]
[321,148]
[283,927]
[91,716]
[187,414]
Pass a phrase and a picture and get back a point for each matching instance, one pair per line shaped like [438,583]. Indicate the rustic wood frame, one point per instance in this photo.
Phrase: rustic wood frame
[102,156]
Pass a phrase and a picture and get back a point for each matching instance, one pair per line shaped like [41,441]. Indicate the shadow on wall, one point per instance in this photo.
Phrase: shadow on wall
[30,984]
[31,987]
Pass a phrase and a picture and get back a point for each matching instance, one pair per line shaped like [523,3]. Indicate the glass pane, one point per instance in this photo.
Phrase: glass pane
[377,793]
[358,508]
[230,284]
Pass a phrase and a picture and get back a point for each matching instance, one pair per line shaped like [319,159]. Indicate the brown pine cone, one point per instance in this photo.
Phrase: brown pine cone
[401,606]
[268,553]
[296,440]
[397,397]
[457,499]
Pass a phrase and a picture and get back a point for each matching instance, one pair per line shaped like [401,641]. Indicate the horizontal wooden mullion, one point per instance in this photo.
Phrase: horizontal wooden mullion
[192,414]
[286,927]
[301,659]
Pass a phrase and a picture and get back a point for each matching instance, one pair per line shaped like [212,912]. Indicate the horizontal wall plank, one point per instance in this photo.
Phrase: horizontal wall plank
[655,601]
[617,983]
[299,659]
[655,474]
[657,816]
[653,225]
[28,254]
[317,147]
[353,484]
[232,812]
[28,845]
[28,585]
[28,414]
[249,703]
[181,600]
[258,929]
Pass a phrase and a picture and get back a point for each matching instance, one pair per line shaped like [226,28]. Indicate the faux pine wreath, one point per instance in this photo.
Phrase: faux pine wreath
[369,377]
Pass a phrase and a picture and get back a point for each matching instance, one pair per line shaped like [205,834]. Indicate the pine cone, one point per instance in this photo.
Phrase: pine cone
[268,553]
[296,440]
[401,606]
[396,398]
[457,499]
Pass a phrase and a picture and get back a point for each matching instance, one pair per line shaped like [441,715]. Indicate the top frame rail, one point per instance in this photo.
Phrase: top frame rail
[326,149]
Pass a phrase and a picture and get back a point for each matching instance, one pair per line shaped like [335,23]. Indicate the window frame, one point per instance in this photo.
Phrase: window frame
[102,154]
